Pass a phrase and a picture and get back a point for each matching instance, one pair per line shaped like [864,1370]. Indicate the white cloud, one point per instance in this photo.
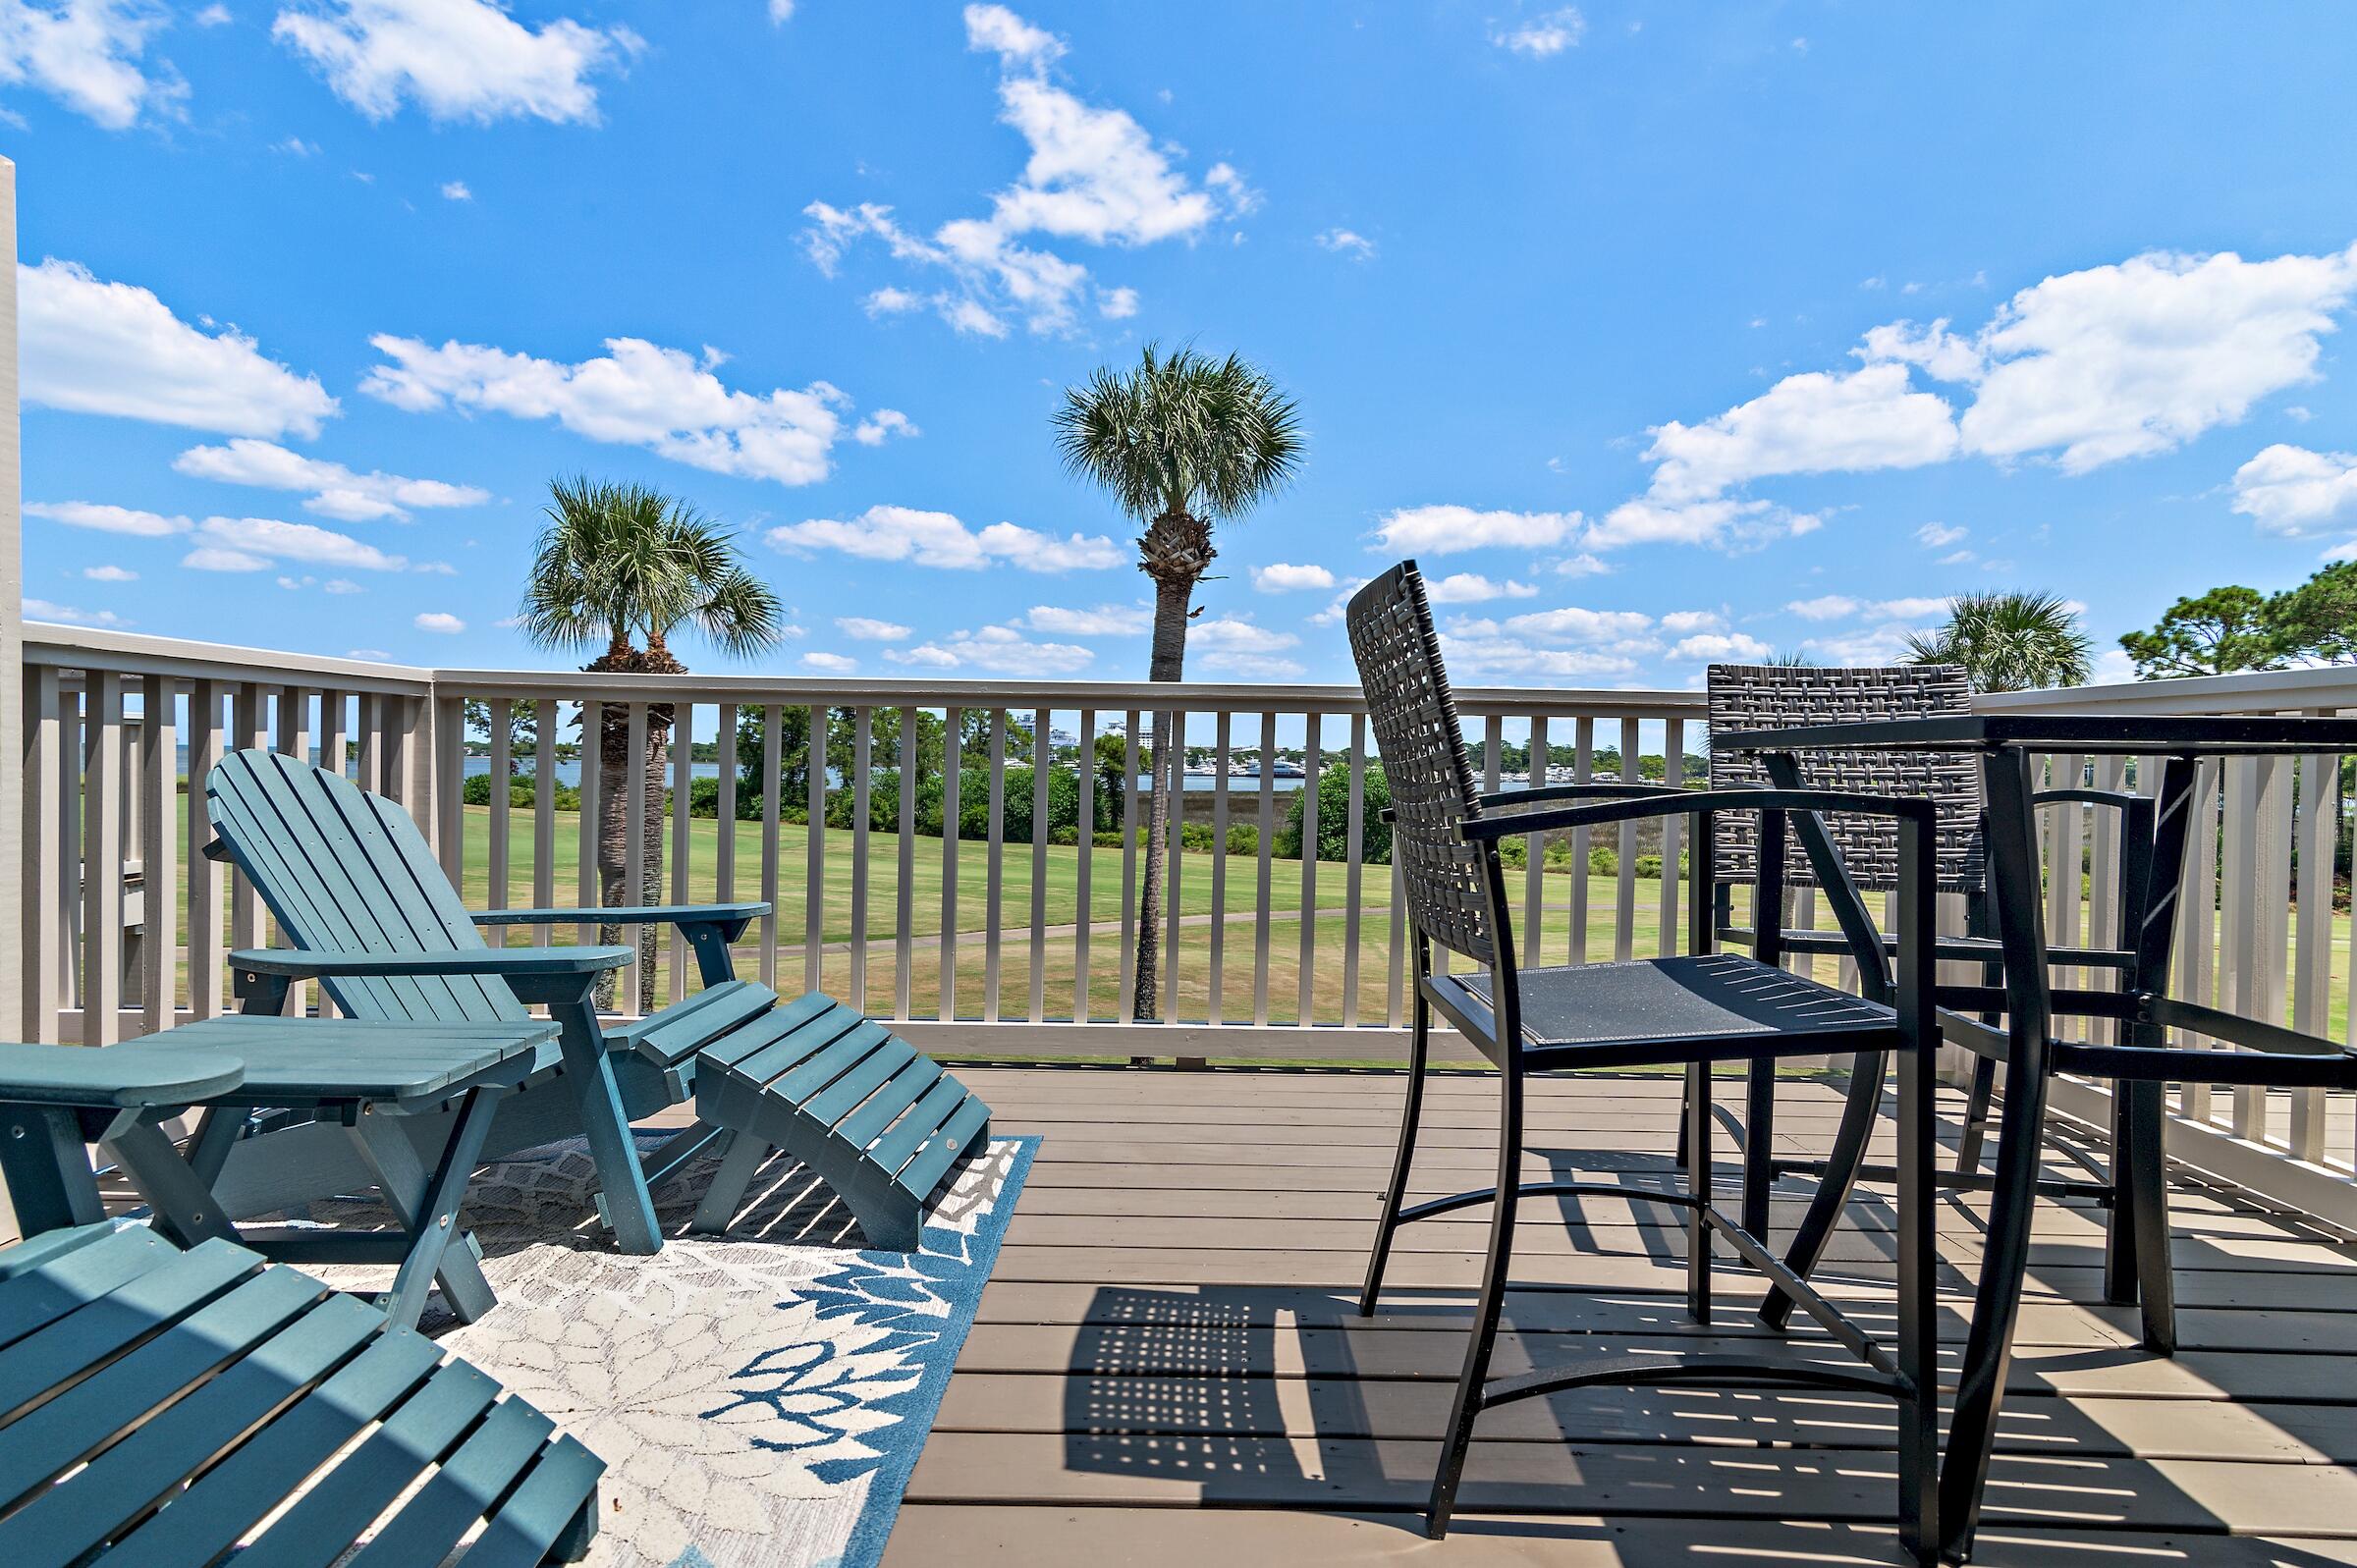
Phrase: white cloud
[2126,360]
[456,59]
[872,430]
[214,557]
[111,347]
[1825,606]
[1470,587]
[939,539]
[1093,175]
[1105,620]
[1625,630]
[2292,490]
[1348,242]
[1445,530]
[267,539]
[1682,623]
[889,301]
[85,54]
[456,190]
[637,393]
[830,664]
[335,491]
[1544,35]
[1815,422]
[1001,649]
[1843,606]
[1281,577]
[1725,523]
[1871,645]
[214,16]
[1939,535]
[1720,645]
[1511,656]
[439,620]
[1583,565]
[110,573]
[863,629]
[68,614]
[108,519]
[1233,645]
[781,11]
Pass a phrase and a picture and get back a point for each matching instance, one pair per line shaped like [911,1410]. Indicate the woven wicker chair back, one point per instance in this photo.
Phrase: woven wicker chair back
[1783,697]
[1425,762]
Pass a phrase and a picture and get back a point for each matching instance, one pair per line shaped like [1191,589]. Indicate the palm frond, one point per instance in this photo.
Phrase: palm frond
[1182,433]
[627,561]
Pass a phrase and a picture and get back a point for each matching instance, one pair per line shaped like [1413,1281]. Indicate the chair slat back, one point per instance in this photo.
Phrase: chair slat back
[346,871]
[1425,762]
[1786,697]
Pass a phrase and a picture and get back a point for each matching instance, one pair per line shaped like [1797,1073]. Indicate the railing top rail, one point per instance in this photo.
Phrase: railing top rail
[1193,696]
[139,654]
[2256,691]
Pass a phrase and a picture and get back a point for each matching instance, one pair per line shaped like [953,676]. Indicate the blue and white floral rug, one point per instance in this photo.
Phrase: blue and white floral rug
[759,1398]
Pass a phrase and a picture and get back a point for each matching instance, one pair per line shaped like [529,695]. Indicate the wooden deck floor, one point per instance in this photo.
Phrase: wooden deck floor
[1167,1370]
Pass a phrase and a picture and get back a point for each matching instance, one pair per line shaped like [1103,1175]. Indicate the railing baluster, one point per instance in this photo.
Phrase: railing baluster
[1674,774]
[863,728]
[1534,852]
[724,822]
[1306,1003]
[68,831]
[447,797]
[903,940]
[683,838]
[205,874]
[333,753]
[1124,1004]
[814,871]
[544,813]
[634,854]
[773,719]
[102,861]
[2311,989]
[1215,981]
[245,905]
[502,766]
[1170,772]
[1041,767]
[952,810]
[1583,770]
[159,853]
[2198,916]
[1624,899]
[2274,922]
[48,858]
[994,886]
[368,744]
[593,772]
[1268,843]
[1354,857]
[1085,910]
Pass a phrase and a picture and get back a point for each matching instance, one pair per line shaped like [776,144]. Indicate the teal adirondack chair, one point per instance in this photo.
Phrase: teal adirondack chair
[373,918]
[233,1385]
[159,1406]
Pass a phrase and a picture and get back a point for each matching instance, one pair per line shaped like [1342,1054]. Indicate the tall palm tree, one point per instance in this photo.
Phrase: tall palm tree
[626,566]
[2008,641]
[1183,441]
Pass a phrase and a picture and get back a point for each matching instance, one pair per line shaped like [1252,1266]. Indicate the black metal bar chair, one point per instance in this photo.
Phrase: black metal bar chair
[1694,1012]
[1767,697]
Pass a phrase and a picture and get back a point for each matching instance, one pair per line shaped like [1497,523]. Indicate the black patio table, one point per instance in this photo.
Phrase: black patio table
[2141,1064]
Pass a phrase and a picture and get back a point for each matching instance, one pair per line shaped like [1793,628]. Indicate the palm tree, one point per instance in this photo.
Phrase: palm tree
[2008,641]
[1183,442]
[625,565]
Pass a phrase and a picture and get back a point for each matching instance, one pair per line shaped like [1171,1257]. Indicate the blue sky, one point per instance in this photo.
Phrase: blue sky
[1661,333]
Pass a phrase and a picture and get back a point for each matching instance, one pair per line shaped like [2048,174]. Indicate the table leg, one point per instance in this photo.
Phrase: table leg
[184,1206]
[622,1179]
[2020,1142]
[49,1181]
[427,1209]
[216,1134]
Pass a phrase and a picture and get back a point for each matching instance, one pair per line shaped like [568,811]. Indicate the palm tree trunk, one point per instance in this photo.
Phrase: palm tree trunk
[1175,552]
[612,815]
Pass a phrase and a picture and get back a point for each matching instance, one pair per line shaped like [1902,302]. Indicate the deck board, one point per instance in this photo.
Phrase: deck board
[1167,1367]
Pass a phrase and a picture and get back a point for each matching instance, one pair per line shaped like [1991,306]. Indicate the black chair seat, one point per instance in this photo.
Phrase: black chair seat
[1713,1007]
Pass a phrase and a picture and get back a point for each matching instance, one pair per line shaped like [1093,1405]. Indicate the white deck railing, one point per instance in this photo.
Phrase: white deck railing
[987,942]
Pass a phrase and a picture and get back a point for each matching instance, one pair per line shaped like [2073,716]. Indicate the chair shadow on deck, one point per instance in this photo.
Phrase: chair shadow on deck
[1280,1397]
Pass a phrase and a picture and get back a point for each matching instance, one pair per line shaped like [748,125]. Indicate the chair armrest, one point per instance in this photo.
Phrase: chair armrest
[298,963]
[1692,803]
[685,914]
[118,1077]
[1597,790]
